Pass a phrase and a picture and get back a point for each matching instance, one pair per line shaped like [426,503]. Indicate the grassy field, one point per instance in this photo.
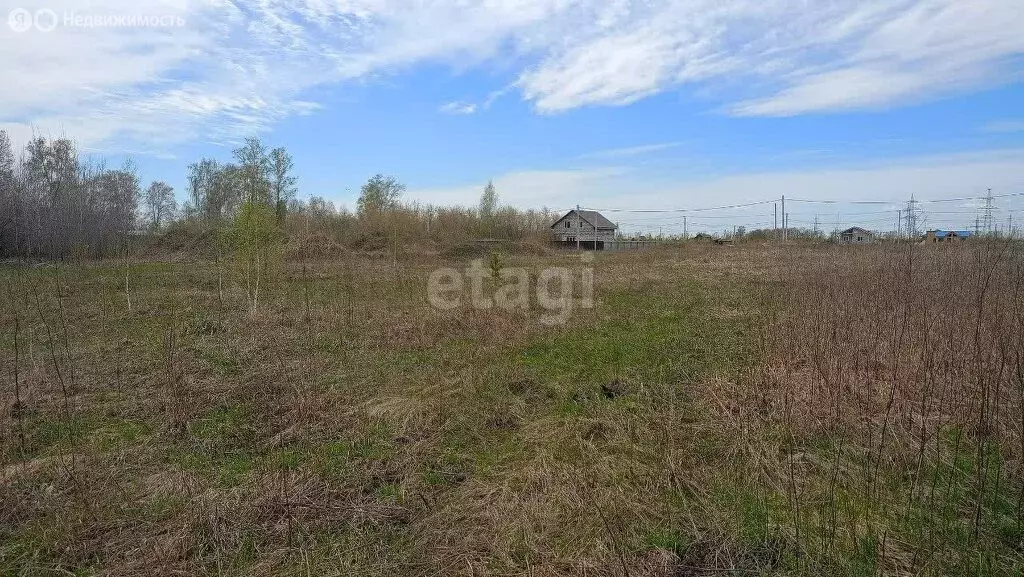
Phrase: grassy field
[748,410]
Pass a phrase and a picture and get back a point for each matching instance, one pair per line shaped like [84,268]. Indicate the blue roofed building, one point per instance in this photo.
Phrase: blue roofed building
[947,235]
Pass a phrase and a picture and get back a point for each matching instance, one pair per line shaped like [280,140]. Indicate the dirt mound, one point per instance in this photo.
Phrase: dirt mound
[317,246]
[183,238]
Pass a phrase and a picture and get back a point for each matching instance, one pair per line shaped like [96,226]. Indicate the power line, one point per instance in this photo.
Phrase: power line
[986,197]
[909,215]
[681,209]
[805,201]
[888,202]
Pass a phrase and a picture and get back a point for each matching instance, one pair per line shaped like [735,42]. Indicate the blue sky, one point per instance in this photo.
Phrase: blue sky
[614,104]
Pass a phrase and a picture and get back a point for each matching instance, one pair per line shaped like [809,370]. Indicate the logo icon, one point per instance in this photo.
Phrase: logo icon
[46,20]
[20,20]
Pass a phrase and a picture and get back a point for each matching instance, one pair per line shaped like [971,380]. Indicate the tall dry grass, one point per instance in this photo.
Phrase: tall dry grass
[888,408]
[776,409]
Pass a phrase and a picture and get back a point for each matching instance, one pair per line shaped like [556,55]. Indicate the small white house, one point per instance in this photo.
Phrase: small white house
[585,229]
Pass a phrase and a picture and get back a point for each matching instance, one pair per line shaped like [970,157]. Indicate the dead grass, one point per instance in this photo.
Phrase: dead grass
[719,412]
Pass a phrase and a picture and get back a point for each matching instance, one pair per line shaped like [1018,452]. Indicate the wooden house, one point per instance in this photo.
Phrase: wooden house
[584,229]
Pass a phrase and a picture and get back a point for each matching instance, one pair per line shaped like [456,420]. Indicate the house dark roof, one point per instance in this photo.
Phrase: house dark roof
[592,217]
[856,230]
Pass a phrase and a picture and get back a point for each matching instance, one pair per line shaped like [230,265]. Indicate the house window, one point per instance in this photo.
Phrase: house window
[568,224]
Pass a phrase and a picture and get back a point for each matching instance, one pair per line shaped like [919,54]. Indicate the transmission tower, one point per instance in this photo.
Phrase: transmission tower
[987,220]
[913,214]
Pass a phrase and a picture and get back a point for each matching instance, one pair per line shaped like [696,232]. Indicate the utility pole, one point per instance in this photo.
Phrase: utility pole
[776,221]
[815,226]
[899,224]
[685,235]
[785,233]
[579,225]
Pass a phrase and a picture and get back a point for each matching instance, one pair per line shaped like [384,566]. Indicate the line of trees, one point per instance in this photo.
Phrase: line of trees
[56,203]
[218,191]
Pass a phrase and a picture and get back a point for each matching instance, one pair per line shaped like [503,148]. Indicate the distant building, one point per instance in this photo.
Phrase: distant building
[856,235]
[585,229]
[947,235]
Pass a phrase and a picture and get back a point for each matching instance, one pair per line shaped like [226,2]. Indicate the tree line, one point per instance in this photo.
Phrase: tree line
[57,203]
[54,203]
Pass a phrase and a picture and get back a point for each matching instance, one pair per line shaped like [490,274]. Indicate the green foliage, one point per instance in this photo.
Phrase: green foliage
[225,470]
[255,227]
[494,265]
[253,172]
[121,434]
[378,194]
[257,176]
[213,189]
[666,540]
[488,201]
[282,181]
[255,233]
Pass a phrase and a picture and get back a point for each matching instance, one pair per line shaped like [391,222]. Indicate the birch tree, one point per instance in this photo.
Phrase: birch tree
[10,240]
[380,193]
[282,182]
[253,171]
[160,204]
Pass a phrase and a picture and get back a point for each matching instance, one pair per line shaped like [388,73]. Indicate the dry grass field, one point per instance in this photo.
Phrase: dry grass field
[750,410]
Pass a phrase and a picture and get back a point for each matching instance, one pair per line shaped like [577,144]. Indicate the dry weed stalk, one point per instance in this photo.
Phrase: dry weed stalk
[19,408]
[913,356]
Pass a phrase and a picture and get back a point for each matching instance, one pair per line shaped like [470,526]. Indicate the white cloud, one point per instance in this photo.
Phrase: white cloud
[236,68]
[923,50]
[458,108]
[632,150]
[834,56]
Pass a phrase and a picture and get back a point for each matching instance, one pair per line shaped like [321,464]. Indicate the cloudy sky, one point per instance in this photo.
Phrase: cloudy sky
[612,104]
